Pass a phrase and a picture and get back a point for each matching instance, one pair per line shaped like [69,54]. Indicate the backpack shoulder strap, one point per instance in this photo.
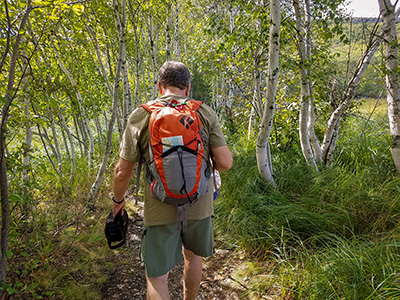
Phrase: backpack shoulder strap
[193,104]
[152,105]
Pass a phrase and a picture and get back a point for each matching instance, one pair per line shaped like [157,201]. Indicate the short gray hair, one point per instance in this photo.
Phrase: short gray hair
[173,73]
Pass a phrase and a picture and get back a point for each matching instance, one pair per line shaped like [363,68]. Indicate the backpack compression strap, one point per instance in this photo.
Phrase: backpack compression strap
[157,104]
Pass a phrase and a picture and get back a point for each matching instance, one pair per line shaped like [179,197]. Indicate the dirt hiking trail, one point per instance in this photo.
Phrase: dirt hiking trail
[127,280]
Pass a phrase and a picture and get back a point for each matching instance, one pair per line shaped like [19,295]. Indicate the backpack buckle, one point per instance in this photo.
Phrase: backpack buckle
[175,104]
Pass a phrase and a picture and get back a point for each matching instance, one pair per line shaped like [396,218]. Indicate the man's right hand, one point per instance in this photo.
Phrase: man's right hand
[117,207]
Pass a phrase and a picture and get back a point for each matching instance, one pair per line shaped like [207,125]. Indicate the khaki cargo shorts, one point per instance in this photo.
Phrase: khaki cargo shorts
[161,247]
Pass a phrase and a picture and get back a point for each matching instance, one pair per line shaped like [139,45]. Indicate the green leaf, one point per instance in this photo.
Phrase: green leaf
[15,197]
[78,8]
[33,286]
[41,2]
[97,238]
[11,290]
[9,254]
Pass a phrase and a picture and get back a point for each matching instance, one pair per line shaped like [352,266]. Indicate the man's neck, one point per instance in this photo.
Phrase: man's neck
[171,90]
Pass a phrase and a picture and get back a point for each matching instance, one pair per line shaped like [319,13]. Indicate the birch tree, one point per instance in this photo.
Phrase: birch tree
[133,16]
[263,152]
[392,76]
[177,46]
[306,105]
[63,124]
[127,95]
[86,129]
[9,97]
[100,174]
[340,102]
[344,102]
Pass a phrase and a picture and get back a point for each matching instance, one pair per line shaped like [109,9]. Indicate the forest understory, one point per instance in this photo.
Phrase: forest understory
[299,88]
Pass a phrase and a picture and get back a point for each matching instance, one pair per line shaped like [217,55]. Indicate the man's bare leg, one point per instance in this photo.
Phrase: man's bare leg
[192,273]
[157,288]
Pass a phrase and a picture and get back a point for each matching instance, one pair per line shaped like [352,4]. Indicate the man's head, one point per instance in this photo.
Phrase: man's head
[174,74]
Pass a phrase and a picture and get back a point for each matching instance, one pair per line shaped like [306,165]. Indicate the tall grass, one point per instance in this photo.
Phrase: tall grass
[330,234]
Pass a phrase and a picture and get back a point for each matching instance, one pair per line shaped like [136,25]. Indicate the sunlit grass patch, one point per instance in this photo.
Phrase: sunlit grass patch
[376,108]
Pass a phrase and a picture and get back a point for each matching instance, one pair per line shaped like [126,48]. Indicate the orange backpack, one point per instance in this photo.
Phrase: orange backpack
[179,171]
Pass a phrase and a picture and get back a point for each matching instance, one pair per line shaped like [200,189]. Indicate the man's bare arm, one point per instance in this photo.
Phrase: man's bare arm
[223,158]
[122,176]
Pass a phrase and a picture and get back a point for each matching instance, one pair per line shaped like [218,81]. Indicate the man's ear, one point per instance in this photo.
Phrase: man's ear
[187,90]
[160,88]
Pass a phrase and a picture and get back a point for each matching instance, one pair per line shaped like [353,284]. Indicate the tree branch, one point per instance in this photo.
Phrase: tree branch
[4,56]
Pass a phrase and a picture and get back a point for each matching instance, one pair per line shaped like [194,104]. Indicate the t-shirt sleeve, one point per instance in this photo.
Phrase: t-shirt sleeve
[216,136]
[130,146]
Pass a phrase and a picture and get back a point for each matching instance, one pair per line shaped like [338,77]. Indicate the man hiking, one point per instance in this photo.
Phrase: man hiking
[184,229]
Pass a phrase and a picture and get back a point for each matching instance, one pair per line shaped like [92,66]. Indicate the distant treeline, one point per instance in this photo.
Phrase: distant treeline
[366,20]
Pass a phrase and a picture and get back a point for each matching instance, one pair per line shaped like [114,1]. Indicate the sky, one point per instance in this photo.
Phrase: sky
[364,8]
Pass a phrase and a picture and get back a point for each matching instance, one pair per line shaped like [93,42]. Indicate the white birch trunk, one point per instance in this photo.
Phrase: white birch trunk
[100,174]
[45,137]
[263,152]
[250,123]
[5,204]
[120,18]
[257,98]
[27,149]
[127,90]
[331,133]
[231,83]
[84,137]
[121,35]
[28,134]
[99,133]
[137,54]
[137,73]
[76,126]
[305,87]
[100,60]
[168,34]
[347,99]
[28,144]
[81,107]
[153,51]
[332,146]
[311,111]
[177,46]
[71,142]
[56,143]
[392,76]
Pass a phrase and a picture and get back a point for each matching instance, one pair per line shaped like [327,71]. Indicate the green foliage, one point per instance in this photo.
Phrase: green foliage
[59,251]
[326,235]
[314,223]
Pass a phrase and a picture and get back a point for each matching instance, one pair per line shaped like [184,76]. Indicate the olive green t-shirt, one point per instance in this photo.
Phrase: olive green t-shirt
[134,145]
